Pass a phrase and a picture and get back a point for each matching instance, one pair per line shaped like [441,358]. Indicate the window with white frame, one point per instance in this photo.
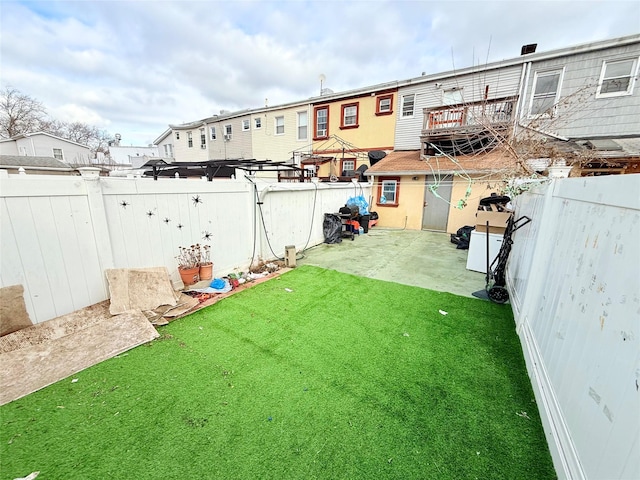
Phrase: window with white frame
[617,78]
[388,191]
[546,89]
[302,125]
[384,104]
[349,116]
[257,123]
[203,139]
[228,130]
[168,150]
[189,139]
[279,122]
[213,133]
[452,96]
[408,102]
[246,125]
[348,168]
[57,154]
[322,122]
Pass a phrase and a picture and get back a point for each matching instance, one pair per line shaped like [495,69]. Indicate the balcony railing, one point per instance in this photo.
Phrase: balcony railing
[467,117]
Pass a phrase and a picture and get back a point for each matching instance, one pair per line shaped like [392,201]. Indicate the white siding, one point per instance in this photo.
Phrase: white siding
[502,82]
[239,146]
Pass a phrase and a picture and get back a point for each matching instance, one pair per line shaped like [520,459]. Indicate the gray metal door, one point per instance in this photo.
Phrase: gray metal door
[436,205]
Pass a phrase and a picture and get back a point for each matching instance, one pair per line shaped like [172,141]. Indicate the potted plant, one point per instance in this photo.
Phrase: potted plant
[205,263]
[189,264]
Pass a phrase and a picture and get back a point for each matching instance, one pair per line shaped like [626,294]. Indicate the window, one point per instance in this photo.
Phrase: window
[545,93]
[453,96]
[302,125]
[168,150]
[408,102]
[388,191]
[617,78]
[177,135]
[258,122]
[57,154]
[322,122]
[279,125]
[245,125]
[349,116]
[213,133]
[383,105]
[348,168]
[228,130]
[190,139]
[203,139]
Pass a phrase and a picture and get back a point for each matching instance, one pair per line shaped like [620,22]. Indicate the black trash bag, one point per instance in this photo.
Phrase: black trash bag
[374,215]
[462,237]
[332,228]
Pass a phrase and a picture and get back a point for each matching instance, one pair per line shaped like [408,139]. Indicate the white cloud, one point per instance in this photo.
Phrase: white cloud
[135,67]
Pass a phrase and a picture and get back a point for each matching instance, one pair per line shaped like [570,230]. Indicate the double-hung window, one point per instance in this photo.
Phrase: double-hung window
[322,122]
[388,191]
[228,131]
[546,89]
[617,78]
[57,154]
[257,123]
[348,168]
[246,124]
[203,139]
[168,150]
[408,103]
[190,139]
[349,116]
[213,133]
[302,125]
[384,105]
[279,125]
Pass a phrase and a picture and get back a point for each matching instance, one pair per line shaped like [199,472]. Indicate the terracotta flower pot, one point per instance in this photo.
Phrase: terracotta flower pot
[189,276]
[206,271]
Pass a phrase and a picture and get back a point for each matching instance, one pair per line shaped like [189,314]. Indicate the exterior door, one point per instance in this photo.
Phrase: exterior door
[436,205]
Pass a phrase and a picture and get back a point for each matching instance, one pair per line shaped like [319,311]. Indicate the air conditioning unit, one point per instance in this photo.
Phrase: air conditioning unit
[322,133]
[227,136]
[203,146]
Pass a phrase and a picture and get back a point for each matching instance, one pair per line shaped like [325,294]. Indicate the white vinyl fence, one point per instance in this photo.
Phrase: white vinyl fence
[58,234]
[574,280]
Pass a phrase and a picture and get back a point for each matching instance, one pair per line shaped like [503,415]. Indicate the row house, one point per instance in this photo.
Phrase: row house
[456,131]
[350,125]
[435,145]
[42,144]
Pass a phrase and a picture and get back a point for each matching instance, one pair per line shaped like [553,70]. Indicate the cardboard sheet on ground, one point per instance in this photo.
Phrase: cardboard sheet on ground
[139,288]
[55,355]
[13,311]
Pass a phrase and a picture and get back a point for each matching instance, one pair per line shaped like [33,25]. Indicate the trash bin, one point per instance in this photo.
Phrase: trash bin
[364,222]
[332,228]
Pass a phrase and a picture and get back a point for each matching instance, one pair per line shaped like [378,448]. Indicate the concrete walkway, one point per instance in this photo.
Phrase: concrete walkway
[418,258]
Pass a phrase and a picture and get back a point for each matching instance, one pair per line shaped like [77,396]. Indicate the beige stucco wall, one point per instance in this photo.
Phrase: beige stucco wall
[480,188]
[408,213]
[375,132]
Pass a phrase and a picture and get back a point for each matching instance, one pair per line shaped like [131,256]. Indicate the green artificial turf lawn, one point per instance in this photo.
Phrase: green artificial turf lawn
[314,374]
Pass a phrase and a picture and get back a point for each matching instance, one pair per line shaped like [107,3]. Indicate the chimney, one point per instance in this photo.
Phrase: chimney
[531,48]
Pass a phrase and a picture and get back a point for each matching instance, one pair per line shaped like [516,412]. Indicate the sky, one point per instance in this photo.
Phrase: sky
[135,67]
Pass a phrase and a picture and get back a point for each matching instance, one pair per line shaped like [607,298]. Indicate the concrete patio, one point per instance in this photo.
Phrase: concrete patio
[419,258]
